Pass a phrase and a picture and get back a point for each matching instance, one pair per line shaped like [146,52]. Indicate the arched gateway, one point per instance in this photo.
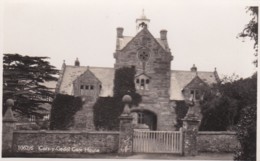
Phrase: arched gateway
[145,117]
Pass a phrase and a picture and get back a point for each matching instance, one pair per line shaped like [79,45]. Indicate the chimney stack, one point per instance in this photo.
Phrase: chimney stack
[163,34]
[77,63]
[120,31]
[193,68]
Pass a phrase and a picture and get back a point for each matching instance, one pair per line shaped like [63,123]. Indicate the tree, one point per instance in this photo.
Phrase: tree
[251,30]
[246,134]
[23,81]
[222,105]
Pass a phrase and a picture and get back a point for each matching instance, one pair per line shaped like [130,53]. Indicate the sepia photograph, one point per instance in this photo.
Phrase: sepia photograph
[129,79]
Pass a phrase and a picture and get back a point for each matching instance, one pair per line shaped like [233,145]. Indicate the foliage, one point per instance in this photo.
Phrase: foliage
[107,110]
[23,81]
[181,111]
[251,29]
[64,107]
[218,114]
[106,114]
[246,134]
[124,84]
[222,104]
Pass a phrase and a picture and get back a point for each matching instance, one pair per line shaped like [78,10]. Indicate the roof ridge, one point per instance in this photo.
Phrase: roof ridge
[191,71]
[89,67]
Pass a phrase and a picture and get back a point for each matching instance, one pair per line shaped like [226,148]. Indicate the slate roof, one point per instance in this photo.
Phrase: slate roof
[126,39]
[179,79]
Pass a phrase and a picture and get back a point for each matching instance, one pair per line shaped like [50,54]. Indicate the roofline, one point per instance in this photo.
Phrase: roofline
[137,35]
[90,67]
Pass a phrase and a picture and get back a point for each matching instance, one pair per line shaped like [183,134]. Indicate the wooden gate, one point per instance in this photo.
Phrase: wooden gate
[157,141]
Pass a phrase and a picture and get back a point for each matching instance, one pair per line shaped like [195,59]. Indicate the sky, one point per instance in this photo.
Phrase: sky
[203,33]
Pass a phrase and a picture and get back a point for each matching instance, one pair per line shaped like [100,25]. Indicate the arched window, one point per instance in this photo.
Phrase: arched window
[137,81]
[147,81]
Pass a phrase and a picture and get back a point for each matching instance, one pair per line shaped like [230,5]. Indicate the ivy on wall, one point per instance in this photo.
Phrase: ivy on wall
[108,109]
[64,107]
[181,110]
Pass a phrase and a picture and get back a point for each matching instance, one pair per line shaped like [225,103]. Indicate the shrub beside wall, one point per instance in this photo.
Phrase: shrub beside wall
[63,110]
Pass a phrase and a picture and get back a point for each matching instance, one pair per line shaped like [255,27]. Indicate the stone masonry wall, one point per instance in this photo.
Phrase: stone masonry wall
[83,119]
[217,141]
[65,142]
[158,68]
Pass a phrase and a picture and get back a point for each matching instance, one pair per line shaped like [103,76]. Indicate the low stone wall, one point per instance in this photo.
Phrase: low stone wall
[214,141]
[65,142]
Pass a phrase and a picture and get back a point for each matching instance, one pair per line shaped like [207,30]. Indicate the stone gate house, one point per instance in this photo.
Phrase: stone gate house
[159,86]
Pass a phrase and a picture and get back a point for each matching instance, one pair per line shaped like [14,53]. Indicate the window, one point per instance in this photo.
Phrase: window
[140,118]
[91,87]
[142,82]
[81,87]
[195,94]
[86,87]
[147,81]
[32,118]
[143,55]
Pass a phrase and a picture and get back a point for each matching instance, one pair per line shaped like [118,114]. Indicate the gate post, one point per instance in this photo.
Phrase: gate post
[8,128]
[190,133]
[126,129]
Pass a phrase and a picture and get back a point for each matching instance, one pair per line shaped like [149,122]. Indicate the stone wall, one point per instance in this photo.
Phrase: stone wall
[83,119]
[65,142]
[217,141]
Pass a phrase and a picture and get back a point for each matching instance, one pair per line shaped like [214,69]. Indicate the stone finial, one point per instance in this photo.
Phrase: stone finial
[126,99]
[8,116]
[193,68]
[120,31]
[77,63]
[163,34]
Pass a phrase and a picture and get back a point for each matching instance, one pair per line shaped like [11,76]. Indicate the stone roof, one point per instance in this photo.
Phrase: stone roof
[105,75]
[126,39]
[179,79]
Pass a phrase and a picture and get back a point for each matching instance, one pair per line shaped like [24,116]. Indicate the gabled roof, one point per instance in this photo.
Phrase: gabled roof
[180,79]
[196,82]
[105,75]
[142,74]
[87,73]
[122,42]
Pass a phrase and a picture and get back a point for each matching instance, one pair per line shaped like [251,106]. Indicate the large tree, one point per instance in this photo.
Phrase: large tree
[251,29]
[23,81]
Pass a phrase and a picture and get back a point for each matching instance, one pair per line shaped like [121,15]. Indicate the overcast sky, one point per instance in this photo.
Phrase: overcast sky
[199,32]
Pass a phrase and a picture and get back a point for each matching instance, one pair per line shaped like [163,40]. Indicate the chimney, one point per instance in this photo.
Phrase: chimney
[120,32]
[163,34]
[193,68]
[77,62]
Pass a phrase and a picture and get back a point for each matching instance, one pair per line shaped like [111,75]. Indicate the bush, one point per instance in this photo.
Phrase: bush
[64,107]
[246,134]
[106,114]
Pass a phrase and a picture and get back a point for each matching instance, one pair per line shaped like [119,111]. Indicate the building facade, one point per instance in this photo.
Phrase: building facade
[159,86]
